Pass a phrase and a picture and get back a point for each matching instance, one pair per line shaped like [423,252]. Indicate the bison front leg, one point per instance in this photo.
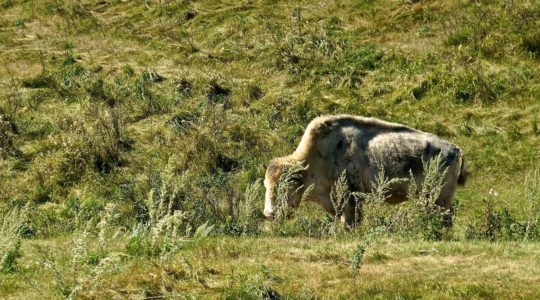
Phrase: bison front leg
[348,216]
[352,213]
[324,200]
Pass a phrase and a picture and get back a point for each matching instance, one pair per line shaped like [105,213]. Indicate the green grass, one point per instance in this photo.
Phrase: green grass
[102,102]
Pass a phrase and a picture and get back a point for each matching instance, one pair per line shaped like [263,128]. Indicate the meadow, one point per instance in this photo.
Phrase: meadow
[134,135]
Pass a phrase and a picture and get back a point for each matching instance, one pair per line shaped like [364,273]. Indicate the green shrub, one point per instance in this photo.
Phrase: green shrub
[365,58]
[138,245]
[250,211]
[461,35]
[42,80]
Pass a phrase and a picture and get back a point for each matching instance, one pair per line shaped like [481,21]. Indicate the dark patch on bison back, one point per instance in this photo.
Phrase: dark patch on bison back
[449,155]
[431,150]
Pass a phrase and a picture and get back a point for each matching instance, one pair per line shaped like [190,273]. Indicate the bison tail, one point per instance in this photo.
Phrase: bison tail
[462,178]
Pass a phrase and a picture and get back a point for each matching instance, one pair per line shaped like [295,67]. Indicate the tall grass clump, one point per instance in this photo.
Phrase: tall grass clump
[321,54]
[245,216]
[150,99]
[250,216]
[532,196]
[7,135]
[11,226]
[91,258]
[166,226]
[421,216]
[93,144]
[109,141]
[361,248]
[256,287]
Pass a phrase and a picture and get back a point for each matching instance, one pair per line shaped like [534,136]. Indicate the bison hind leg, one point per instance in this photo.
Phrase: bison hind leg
[445,201]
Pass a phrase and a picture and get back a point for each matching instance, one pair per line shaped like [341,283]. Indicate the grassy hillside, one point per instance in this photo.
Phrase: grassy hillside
[109,109]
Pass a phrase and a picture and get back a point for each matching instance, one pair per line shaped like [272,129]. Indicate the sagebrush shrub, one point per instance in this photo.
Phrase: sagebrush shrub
[287,186]
[340,195]
[84,274]
[427,218]
[372,208]
[366,241]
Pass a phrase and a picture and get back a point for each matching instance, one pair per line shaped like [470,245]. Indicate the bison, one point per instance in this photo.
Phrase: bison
[361,147]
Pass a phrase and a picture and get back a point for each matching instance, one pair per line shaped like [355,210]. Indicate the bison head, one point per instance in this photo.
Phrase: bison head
[283,183]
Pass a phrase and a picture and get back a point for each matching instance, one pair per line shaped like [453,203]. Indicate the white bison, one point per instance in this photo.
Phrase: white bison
[361,147]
